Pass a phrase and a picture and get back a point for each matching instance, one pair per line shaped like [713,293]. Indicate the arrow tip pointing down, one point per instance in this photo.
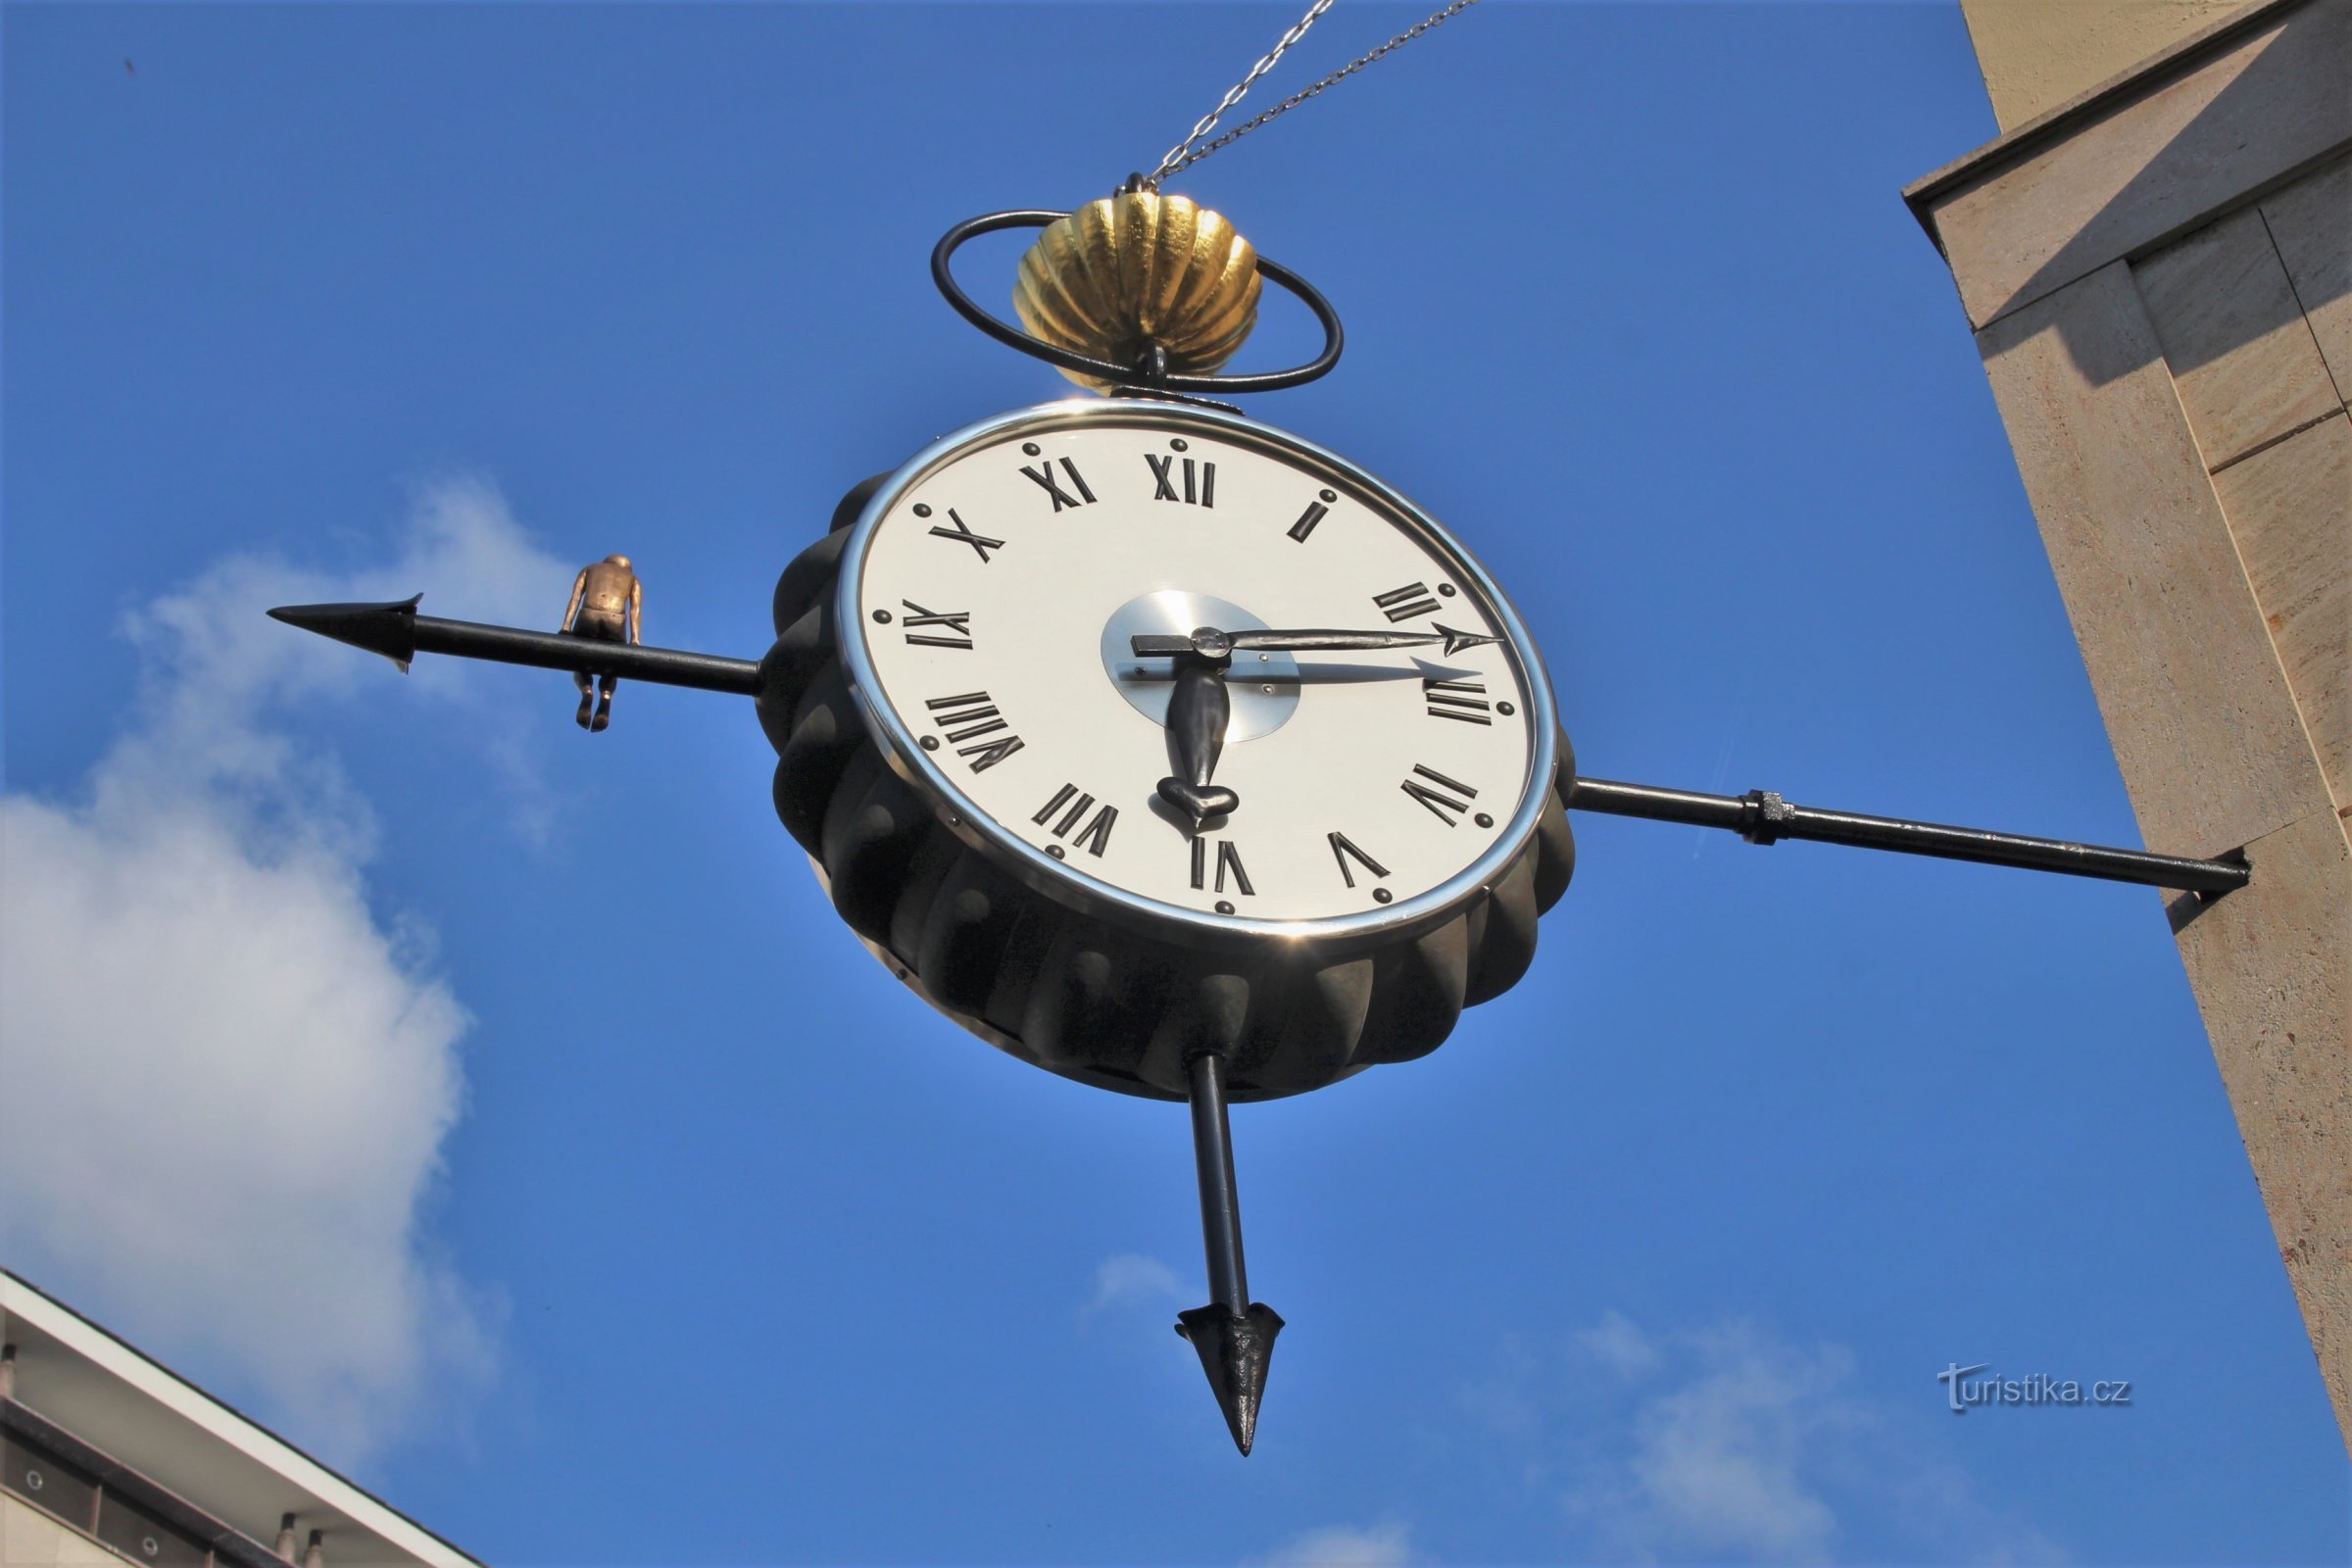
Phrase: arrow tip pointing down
[387,629]
[1234,1352]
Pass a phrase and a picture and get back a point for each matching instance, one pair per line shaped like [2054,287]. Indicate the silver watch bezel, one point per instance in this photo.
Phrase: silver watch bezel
[1071,886]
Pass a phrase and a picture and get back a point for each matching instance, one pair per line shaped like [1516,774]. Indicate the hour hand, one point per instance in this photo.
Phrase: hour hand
[1197,711]
[1212,643]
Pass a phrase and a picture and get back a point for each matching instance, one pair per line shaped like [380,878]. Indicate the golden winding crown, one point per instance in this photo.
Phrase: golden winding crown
[1139,271]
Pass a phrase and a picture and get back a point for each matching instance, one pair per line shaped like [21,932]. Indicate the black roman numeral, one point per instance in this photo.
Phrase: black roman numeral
[1464,699]
[963,534]
[1441,805]
[1342,848]
[1314,513]
[1043,473]
[1229,860]
[1400,604]
[970,717]
[1095,837]
[1199,481]
[959,625]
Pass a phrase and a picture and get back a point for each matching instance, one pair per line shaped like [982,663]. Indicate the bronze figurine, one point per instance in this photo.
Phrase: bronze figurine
[607,606]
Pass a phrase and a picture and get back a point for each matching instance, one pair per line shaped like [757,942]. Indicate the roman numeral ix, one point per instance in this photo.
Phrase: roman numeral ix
[1400,604]
[1229,859]
[1463,700]
[1441,804]
[957,624]
[1043,473]
[1200,487]
[971,718]
[1095,837]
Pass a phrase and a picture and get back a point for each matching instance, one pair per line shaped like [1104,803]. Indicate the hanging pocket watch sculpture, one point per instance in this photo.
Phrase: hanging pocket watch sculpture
[1162,748]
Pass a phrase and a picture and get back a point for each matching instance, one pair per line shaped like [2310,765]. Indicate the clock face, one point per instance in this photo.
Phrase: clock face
[991,594]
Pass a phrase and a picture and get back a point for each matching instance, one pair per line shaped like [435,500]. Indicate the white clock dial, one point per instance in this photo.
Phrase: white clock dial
[989,597]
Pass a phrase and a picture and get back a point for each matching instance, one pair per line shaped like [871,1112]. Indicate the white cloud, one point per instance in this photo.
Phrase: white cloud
[1718,1463]
[1617,1344]
[1131,1279]
[1724,1443]
[227,1081]
[1385,1546]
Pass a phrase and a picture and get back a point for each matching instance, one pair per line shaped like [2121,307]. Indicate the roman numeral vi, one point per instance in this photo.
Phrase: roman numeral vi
[1229,860]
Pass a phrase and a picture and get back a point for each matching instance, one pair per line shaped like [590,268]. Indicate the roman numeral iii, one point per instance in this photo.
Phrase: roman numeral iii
[1438,794]
[1199,481]
[957,625]
[1071,805]
[973,718]
[1404,603]
[1464,699]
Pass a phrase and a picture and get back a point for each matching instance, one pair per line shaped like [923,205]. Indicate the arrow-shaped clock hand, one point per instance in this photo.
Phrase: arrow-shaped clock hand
[1211,643]
[1313,675]
[1196,713]
[1198,709]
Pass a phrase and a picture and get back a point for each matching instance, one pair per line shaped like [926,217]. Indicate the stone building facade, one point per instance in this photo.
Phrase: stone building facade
[2156,261]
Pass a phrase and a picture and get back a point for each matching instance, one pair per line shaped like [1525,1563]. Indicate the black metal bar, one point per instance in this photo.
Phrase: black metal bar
[1762,817]
[399,633]
[1220,1200]
[667,666]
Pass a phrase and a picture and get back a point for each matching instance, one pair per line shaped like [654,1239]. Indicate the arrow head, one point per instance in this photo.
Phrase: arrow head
[386,629]
[1456,641]
[1234,1352]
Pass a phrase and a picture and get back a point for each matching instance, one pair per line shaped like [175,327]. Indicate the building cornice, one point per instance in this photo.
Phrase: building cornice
[2056,124]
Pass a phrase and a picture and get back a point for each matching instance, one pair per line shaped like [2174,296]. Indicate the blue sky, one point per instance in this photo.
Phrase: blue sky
[504,1113]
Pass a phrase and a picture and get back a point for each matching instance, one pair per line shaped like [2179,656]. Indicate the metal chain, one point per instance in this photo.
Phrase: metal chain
[1185,153]
[1181,154]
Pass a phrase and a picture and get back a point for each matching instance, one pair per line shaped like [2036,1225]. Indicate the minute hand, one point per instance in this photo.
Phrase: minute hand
[1313,641]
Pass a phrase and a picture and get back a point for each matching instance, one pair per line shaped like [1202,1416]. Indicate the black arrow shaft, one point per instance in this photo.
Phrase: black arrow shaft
[511,645]
[1220,1199]
[396,631]
[1233,1335]
[1760,816]
[1763,817]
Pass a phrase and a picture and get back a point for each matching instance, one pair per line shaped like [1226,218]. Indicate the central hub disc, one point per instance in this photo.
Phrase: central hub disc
[1264,687]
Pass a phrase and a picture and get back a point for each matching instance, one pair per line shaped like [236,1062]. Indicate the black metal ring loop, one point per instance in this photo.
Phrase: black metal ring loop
[1013,336]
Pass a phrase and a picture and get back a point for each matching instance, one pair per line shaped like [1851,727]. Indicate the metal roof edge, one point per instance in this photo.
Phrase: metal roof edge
[22,1298]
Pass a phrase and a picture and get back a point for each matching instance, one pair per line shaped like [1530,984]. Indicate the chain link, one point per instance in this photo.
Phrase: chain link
[1192,150]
